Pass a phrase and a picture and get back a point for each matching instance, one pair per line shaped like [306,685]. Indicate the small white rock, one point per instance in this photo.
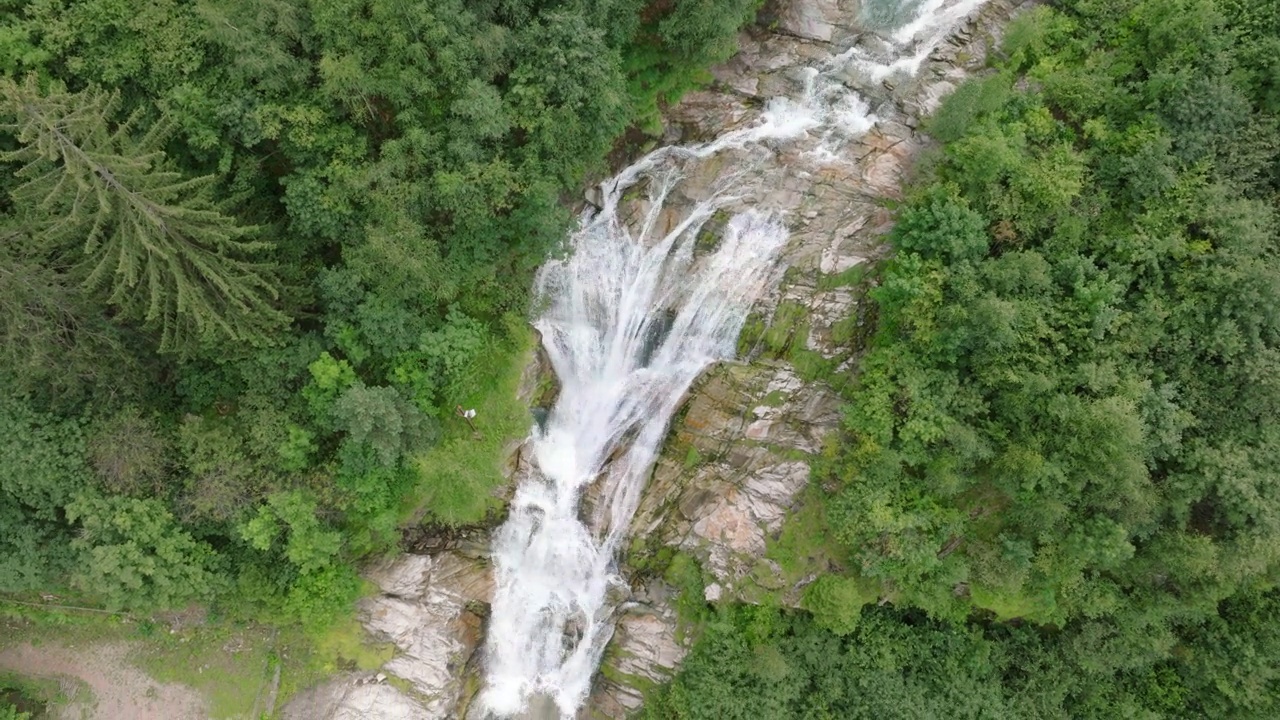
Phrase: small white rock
[713,592]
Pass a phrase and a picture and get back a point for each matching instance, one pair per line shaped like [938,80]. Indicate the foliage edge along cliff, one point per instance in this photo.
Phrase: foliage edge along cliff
[254,253]
[1058,489]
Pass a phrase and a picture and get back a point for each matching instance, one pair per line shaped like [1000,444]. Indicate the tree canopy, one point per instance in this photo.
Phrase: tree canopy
[253,253]
[1060,465]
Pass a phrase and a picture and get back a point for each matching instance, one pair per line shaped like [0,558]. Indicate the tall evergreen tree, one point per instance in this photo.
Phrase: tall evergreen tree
[100,196]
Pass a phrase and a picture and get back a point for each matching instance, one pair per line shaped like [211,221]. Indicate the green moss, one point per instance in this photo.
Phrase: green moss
[411,690]
[643,684]
[788,321]
[763,575]
[647,560]
[844,331]
[752,334]
[348,644]
[810,365]
[692,459]
[712,233]
[793,275]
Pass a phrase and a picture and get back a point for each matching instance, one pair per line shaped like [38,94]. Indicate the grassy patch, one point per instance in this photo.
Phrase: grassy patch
[226,663]
[984,504]
[774,399]
[810,365]
[458,476]
[29,623]
[1008,605]
[805,546]
[36,696]
[346,646]
[229,666]
[845,330]
[788,337]
[647,559]
[307,660]
[638,682]
[692,459]
[846,278]
[684,573]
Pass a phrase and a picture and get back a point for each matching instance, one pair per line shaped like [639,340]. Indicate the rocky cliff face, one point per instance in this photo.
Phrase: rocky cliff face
[432,608]
[737,457]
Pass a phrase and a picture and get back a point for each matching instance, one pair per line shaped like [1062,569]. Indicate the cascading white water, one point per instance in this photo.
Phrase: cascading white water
[633,315]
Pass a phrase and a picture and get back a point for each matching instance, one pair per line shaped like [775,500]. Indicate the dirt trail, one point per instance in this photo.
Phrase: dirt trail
[120,691]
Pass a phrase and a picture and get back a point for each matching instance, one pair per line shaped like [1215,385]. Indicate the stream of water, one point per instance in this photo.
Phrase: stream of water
[633,314]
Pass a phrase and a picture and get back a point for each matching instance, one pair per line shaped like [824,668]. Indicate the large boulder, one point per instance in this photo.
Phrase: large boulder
[429,608]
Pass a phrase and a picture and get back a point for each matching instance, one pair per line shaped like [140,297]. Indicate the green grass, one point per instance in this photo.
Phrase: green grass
[787,336]
[1008,605]
[459,475]
[805,546]
[810,365]
[309,659]
[845,330]
[684,573]
[692,459]
[775,398]
[231,664]
[226,663]
[78,625]
[36,696]
[847,278]
[347,644]
[789,322]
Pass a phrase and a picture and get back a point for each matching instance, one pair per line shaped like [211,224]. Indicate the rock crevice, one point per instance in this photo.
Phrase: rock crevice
[737,456]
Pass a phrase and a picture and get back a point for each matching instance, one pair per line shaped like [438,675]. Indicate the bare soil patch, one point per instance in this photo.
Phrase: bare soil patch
[120,690]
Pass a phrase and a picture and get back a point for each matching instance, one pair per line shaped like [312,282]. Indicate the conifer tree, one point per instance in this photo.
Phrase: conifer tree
[100,196]
[53,337]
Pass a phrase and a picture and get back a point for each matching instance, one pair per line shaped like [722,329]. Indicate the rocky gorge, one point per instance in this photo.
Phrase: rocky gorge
[737,457]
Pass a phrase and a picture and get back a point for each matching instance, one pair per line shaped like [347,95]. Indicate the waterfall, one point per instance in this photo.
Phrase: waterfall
[630,318]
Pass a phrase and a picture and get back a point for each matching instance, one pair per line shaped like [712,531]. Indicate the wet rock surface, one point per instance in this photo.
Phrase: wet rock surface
[735,461]
[645,651]
[426,610]
[354,697]
[430,607]
[736,458]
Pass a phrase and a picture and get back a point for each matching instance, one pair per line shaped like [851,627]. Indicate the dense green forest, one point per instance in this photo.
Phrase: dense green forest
[1061,465]
[255,252]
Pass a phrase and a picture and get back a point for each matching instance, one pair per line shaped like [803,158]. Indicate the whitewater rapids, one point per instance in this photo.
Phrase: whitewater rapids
[635,311]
